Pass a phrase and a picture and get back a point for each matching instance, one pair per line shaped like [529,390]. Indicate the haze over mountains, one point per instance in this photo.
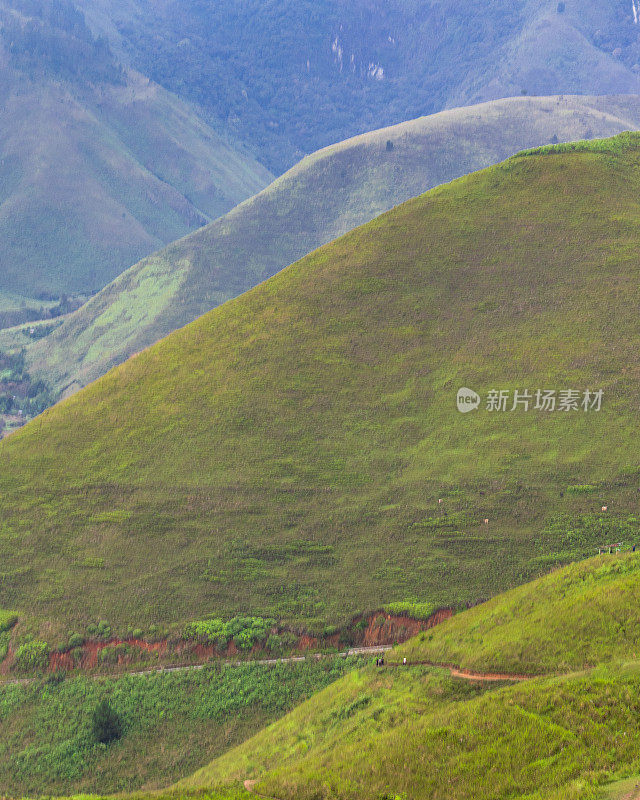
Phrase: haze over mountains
[324,196]
[125,167]
[348,406]
[98,165]
[290,77]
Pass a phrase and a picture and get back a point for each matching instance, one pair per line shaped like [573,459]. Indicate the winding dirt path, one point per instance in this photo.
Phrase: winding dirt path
[467,675]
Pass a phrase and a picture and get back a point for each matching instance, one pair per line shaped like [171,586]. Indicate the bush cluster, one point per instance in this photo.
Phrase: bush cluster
[243,631]
[32,655]
[100,631]
[411,609]
[7,620]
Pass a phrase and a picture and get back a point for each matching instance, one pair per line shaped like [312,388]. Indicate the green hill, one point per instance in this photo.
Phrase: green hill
[419,732]
[569,619]
[98,165]
[284,455]
[323,197]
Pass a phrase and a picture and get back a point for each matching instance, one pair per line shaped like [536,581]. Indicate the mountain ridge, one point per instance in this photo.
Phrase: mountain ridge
[97,169]
[321,198]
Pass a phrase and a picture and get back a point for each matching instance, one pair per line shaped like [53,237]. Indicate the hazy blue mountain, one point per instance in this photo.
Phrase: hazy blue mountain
[322,197]
[98,165]
[291,76]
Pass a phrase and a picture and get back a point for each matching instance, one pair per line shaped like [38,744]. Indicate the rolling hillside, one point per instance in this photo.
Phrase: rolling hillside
[98,165]
[420,731]
[321,198]
[284,455]
[291,76]
[569,619]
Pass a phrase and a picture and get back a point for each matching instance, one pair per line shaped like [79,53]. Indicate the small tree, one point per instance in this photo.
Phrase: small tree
[107,725]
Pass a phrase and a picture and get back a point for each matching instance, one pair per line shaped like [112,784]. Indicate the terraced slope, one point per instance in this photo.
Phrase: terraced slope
[284,455]
[323,197]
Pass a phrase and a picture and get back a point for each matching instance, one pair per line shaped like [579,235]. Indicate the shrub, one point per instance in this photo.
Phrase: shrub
[100,631]
[585,488]
[75,640]
[7,620]
[112,655]
[411,609]
[32,655]
[106,723]
[245,631]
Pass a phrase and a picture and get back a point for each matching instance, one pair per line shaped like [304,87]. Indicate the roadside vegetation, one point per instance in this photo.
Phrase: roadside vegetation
[62,735]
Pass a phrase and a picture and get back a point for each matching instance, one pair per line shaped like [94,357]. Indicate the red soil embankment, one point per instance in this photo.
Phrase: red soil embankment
[371,630]
[384,628]
[91,653]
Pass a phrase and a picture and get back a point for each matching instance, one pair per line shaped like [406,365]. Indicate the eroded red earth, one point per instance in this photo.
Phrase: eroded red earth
[378,629]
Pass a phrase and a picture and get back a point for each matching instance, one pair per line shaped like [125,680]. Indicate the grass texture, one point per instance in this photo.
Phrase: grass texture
[284,455]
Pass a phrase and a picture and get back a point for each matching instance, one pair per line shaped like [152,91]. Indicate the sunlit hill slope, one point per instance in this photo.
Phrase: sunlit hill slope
[286,453]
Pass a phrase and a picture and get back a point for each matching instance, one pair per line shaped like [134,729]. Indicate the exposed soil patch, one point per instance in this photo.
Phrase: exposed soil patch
[366,631]
[386,628]
[488,676]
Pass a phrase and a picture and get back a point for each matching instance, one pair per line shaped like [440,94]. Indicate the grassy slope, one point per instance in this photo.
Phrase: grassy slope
[120,171]
[173,724]
[571,618]
[415,730]
[319,409]
[420,732]
[326,195]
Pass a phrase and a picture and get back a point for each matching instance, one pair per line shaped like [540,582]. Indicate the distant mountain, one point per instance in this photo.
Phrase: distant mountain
[291,76]
[98,165]
[285,454]
[321,198]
